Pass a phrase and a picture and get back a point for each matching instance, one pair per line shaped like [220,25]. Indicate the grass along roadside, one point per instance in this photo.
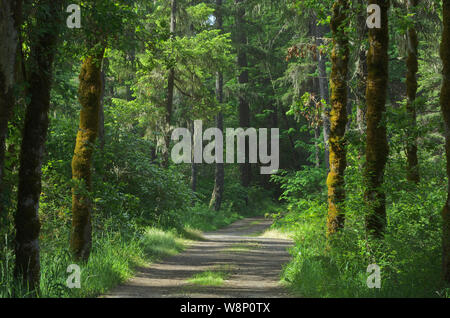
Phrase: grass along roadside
[113,260]
[115,256]
[116,252]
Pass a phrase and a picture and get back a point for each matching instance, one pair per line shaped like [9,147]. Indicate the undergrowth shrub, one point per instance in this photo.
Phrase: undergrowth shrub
[409,255]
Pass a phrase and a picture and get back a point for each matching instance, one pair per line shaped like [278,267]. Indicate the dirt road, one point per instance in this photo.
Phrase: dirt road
[251,266]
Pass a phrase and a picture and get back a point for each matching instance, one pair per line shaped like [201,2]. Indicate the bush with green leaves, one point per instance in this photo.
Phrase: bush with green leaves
[409,255]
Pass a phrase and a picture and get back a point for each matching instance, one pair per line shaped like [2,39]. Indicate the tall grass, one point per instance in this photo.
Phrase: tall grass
[117,250]
[113,259]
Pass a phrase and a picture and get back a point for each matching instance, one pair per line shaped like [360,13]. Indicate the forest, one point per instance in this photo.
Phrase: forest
[117,149]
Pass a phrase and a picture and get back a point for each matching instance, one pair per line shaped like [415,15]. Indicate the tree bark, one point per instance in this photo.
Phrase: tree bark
[244,109]
[338,118]
[219,173]
[376,145]
[42,53]
[411,91]
[89,93]
[10,17]
[445,107]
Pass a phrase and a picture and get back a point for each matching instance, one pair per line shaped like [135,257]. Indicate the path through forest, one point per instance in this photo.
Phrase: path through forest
[252,265]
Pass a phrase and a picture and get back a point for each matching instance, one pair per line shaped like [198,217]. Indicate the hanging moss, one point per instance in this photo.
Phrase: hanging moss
[338,118]
[376,143]
[445,107]
[89,94]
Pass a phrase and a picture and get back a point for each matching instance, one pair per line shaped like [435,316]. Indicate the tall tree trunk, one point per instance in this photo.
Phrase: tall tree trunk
[219,174]
[42,53]
[361,79]
[244,109]
[361,69]
[89,93]
[323,89]
[170,89]
[376,145]
[411,90]
[338,118]
[10,17]
[349,109]
[445,107]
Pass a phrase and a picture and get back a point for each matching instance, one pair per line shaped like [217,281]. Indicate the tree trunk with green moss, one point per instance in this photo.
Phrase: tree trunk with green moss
[338,118]
[445,107]
[42,52]
[411,90]
[376,143]
[89,95]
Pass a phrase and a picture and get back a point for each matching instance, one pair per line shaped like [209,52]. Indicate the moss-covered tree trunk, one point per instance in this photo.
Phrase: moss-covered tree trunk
[411,90]
[219,173]
[376,143]
[10,13]
[244,109]
[42,52]
[338,118]
[445,107]
[89,94]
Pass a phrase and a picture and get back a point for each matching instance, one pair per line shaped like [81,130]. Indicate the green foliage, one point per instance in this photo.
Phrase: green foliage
[409,254]
[308,183]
